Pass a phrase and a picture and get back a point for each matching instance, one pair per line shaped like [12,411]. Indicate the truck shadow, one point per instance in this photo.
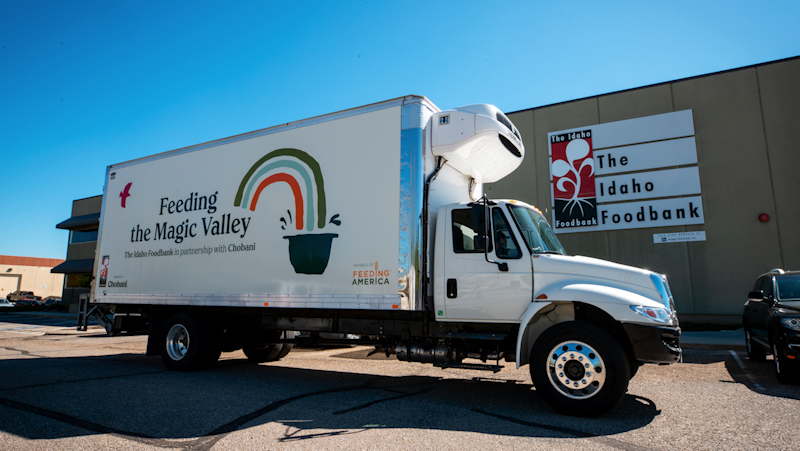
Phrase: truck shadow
[133,397]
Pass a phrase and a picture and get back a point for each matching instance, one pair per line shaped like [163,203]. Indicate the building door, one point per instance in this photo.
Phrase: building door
[9,283]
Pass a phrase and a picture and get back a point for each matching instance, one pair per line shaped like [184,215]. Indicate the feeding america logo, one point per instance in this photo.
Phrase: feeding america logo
[572,171]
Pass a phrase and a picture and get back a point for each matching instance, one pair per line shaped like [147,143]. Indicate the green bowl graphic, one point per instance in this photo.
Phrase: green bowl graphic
[309,253]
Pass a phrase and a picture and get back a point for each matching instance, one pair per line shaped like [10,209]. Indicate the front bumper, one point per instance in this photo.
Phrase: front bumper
[654,344]
[788,344]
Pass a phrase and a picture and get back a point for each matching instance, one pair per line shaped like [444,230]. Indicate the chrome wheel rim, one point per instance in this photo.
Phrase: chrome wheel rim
[576,369]
[177,342]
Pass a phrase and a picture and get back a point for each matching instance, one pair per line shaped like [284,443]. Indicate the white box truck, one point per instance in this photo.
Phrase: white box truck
[370,223]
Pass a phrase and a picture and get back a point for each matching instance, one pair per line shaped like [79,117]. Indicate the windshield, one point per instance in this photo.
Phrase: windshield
[788,286]
[537,233]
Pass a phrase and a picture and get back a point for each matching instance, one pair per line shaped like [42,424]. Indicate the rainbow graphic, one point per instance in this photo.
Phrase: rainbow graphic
[297,169]
[309,253]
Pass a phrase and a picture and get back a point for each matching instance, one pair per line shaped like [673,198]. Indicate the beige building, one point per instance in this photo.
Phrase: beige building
[744,127]
[29,274]
[77,269]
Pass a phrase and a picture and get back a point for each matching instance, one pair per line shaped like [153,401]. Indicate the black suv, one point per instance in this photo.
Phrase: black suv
[771,322]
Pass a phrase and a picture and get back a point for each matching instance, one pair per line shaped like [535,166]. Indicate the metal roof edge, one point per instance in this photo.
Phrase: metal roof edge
[297,123]
[750,66]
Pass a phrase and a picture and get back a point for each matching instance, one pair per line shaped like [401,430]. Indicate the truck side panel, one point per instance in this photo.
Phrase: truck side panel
[296,218]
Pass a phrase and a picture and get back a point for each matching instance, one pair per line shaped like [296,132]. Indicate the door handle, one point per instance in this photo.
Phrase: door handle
[452,288]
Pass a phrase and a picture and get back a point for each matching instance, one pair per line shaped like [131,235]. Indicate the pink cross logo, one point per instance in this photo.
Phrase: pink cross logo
[125,194]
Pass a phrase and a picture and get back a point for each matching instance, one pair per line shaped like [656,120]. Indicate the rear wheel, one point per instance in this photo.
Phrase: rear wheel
[754,351]
[579,369]
[287,347]
[190,343]
[269,352]
[263,353]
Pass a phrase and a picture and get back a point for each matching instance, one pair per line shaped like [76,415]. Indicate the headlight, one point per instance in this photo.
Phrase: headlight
[654,313]
[791,323]
[660,283]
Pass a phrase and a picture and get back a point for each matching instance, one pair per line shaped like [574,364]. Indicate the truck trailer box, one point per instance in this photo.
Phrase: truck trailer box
[320,213]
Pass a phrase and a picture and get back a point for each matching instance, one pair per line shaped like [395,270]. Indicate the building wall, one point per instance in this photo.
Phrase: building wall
[17,273]
[80,251]
[86,205]
[745,121]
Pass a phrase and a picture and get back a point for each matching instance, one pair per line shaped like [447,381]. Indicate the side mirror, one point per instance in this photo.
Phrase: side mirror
[502,266]
[757,295]
[477,218]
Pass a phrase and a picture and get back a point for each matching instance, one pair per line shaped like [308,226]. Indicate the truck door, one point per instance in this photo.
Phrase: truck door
[477,290]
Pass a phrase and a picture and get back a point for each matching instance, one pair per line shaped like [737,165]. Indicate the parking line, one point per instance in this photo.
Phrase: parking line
[739,362]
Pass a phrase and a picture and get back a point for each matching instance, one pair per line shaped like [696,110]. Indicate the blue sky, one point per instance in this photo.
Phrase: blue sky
[87,84]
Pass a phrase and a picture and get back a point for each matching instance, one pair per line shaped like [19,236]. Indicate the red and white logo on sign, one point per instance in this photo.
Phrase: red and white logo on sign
[572,169]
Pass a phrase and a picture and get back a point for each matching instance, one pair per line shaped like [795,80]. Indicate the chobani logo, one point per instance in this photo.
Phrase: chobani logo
[309,252]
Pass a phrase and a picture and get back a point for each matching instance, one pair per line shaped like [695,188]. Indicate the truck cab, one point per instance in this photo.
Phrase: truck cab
[500,262]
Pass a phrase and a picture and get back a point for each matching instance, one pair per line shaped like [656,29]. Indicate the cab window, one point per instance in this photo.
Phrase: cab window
[466,240]
[505,244]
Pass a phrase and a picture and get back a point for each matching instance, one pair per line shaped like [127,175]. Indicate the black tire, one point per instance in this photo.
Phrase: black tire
[754,350]
[269,352]
[287,347]
[201,348]
[606,353]
[786,370]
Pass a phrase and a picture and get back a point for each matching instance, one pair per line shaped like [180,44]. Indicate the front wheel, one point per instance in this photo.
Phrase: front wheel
[579,369]
[785,370]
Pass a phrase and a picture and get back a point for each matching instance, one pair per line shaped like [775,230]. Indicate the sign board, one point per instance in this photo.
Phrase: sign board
[679,237]
[634,173]
[640,157]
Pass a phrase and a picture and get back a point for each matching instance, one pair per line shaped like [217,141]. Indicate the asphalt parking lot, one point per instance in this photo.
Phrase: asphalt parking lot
[68,390]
